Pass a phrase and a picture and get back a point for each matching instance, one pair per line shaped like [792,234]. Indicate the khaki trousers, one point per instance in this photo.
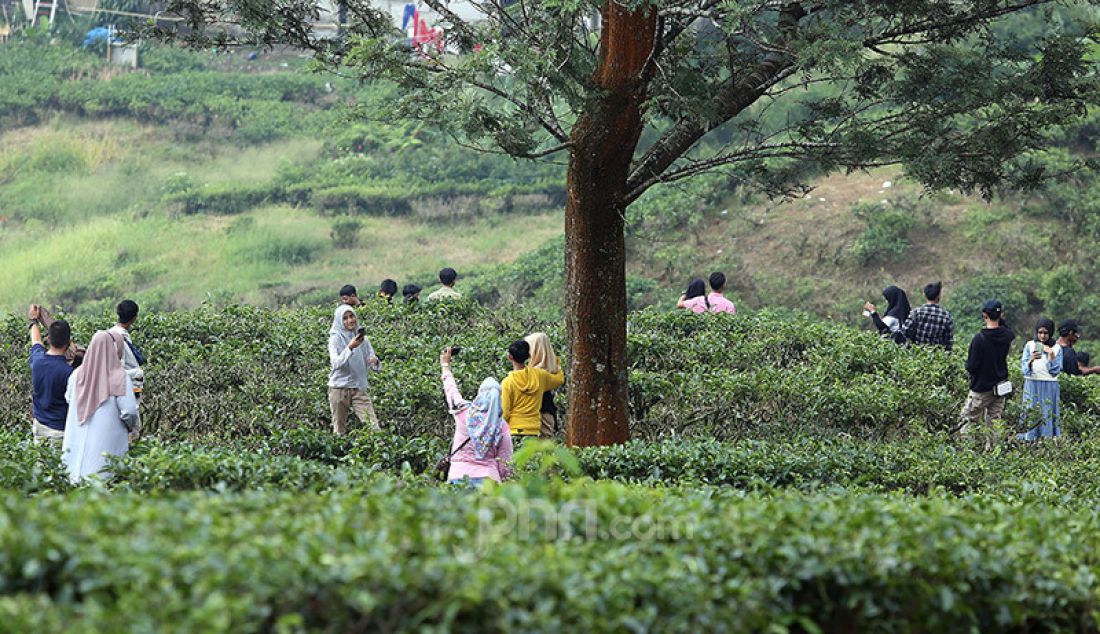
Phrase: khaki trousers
[547,423]
[980,407]
[42,434]
[343,400]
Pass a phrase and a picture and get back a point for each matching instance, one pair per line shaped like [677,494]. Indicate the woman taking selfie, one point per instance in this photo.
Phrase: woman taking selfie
[482,445]
[1041,364]
[351,357]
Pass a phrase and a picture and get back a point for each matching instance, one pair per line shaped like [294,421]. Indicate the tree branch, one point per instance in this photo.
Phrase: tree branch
[735,97]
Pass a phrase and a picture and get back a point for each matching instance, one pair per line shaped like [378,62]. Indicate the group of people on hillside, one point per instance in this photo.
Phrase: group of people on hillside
[85,400]
[411,292]
[521,405]
[1043,359]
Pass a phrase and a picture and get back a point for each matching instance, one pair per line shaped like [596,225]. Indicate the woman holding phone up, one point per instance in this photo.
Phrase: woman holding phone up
[351,356]
[1041,364]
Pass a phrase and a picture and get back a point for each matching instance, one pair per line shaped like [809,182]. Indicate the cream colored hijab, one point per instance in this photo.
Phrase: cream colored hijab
[542,354]
[101,375]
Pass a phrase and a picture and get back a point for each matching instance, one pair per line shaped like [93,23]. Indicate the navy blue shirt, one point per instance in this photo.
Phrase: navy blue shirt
[50,377]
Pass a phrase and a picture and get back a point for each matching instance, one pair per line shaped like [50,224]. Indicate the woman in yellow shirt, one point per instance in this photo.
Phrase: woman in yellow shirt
[522,390]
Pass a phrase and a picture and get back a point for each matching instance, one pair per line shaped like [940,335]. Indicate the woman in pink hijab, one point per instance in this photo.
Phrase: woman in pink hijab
[102,409]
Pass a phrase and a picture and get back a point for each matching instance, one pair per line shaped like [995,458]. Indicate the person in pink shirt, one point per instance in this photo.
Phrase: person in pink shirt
[718,302]
[482,445]
[695,298]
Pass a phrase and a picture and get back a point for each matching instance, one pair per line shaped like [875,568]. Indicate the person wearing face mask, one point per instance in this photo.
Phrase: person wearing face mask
[351,357]
[1041,364]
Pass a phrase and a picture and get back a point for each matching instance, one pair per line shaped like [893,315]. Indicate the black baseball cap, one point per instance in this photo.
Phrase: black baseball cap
[993,308]
[1067,327]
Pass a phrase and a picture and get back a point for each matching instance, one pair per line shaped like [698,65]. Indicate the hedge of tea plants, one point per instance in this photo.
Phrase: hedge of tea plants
[241,371]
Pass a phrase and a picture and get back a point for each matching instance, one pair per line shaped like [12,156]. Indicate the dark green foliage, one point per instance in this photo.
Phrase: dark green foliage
[886,236]
[396,557]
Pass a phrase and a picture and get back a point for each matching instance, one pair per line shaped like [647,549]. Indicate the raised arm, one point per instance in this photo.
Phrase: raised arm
[450,386]
[1054,366]
[34,315]
[1025,360]
[554,381]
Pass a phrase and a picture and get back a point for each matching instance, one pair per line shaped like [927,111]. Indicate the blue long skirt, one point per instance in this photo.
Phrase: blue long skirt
[1040,409]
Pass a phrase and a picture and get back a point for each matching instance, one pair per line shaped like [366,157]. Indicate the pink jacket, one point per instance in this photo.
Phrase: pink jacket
[464,462]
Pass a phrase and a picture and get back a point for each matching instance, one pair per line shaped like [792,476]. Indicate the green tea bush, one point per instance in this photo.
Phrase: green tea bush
[591,557]
[240,371]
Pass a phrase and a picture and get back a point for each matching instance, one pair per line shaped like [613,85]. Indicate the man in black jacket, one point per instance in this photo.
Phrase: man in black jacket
[987,364]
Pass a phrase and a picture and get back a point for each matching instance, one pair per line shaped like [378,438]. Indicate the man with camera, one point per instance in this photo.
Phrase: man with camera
[49,378]
[352,357]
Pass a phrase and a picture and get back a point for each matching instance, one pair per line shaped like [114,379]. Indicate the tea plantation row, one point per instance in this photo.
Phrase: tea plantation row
[318,461]
[241,371]
[541,555]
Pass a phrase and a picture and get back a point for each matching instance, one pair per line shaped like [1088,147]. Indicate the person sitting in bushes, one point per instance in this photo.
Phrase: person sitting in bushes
[49,379]
[718,302]
[482,444]
[349,296]
[522,390]
[695,297]
[351,357]
[411,293]
[387,289]
[447,278]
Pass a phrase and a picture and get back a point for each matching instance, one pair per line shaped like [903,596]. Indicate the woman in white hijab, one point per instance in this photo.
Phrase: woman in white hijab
[351,356]
[102,409]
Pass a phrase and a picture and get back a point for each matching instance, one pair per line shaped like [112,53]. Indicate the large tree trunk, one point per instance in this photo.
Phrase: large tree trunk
[603,143]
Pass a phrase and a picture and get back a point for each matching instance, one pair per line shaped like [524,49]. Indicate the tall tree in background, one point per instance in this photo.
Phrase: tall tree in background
[638,93]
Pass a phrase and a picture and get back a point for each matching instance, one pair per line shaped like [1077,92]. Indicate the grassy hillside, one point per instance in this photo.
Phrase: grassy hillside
[208,177]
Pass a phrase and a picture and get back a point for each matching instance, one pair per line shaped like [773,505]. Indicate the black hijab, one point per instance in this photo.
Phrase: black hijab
[1049,324]
[897,303]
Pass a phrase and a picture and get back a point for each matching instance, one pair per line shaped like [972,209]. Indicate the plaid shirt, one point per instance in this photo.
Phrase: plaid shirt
[930,324]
